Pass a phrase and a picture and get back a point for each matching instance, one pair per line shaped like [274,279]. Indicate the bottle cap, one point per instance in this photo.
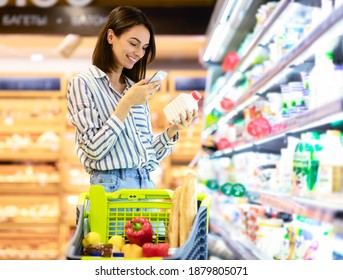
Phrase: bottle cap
[196,95]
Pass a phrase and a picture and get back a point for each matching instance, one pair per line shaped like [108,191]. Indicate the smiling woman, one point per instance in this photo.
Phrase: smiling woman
[108,106]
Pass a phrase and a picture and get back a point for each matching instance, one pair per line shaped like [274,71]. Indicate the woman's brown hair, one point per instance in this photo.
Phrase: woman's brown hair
[120,20]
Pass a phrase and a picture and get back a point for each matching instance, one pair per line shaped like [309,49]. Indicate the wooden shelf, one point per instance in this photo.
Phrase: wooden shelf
[29,254]
[34,223]
[24,155]
[29,127]
[29,188]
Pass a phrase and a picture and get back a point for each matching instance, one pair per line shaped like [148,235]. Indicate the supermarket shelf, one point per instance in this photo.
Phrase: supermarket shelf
[70,159]
[320,207]
[27,222]
[242,248]
[28,254]
[30,127]
[29,188]
[298,51]
[74,189]
[24,155]
[320,118]
[215,97]
[70,221]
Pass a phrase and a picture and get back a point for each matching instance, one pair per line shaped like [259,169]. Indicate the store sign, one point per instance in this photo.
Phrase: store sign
[59,20]
[87,21]
[43,3]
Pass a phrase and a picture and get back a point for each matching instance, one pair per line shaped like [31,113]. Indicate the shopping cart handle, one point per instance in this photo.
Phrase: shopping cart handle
[134,194]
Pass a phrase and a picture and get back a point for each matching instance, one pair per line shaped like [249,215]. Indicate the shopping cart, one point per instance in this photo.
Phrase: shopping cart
[107,213]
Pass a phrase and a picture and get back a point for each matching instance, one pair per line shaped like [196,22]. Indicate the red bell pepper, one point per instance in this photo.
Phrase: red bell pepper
[155,250]
[139,231]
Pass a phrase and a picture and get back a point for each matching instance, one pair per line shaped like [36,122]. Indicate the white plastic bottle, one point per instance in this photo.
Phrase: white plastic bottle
[322,90]
[180,104]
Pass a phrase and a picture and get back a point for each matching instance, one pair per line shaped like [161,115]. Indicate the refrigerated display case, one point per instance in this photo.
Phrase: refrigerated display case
[284,81]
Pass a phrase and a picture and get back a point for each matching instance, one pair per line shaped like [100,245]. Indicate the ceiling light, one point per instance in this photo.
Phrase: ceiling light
[37,57]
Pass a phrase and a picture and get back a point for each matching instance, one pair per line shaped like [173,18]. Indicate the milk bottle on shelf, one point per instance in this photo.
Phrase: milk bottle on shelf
[180,104]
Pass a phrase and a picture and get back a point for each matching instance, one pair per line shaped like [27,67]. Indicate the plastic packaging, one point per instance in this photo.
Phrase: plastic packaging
[330,176]
[322,89]
[305,164]
[285,165]
[180,104]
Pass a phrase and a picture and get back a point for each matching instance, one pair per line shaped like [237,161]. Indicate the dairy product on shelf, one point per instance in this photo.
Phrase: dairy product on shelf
[322,82]
[305,164]
[285,166]
[330,172]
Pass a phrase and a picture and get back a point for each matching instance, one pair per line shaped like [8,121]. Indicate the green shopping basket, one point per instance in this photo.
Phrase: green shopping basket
[107,213]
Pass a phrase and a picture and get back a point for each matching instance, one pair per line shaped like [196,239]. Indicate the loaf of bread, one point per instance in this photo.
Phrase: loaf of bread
[173,227]
[188,206]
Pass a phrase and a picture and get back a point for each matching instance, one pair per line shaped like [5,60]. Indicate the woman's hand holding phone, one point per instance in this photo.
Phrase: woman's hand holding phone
[157,77]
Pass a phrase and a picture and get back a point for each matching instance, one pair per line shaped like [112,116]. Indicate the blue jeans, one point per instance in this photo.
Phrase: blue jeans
[116,179]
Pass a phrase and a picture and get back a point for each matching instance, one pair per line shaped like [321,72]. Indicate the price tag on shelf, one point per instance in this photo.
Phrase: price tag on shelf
[231,61]
[226,189]
[212,184]
[223,143]
[236,190]
[227,104]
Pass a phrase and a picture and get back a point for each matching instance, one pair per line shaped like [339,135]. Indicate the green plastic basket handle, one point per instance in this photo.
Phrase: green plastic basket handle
[140,194]
[137,194]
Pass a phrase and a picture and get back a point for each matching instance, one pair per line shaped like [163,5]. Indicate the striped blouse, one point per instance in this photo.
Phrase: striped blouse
[103,142]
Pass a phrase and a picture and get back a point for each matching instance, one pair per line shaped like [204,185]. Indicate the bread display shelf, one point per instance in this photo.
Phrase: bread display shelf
[39,174]
[29,145]
[32,230]
[31,219]
[28,254]
[70,221]
[28,188]
[33,209]
[77,189]
[31,127]
[32,108]
[74,177]
[28,155]
[29,245]
[10,222]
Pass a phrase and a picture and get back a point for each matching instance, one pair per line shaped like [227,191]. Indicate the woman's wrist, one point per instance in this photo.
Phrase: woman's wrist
[171,132]
[122,110]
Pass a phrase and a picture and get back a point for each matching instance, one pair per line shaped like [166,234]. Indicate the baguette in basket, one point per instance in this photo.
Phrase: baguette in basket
[183,211]
[174,221]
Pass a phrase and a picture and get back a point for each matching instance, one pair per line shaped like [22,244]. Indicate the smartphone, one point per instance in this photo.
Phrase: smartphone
[158,76]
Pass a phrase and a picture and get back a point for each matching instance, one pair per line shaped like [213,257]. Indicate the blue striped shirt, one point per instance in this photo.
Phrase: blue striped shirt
[103,142]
